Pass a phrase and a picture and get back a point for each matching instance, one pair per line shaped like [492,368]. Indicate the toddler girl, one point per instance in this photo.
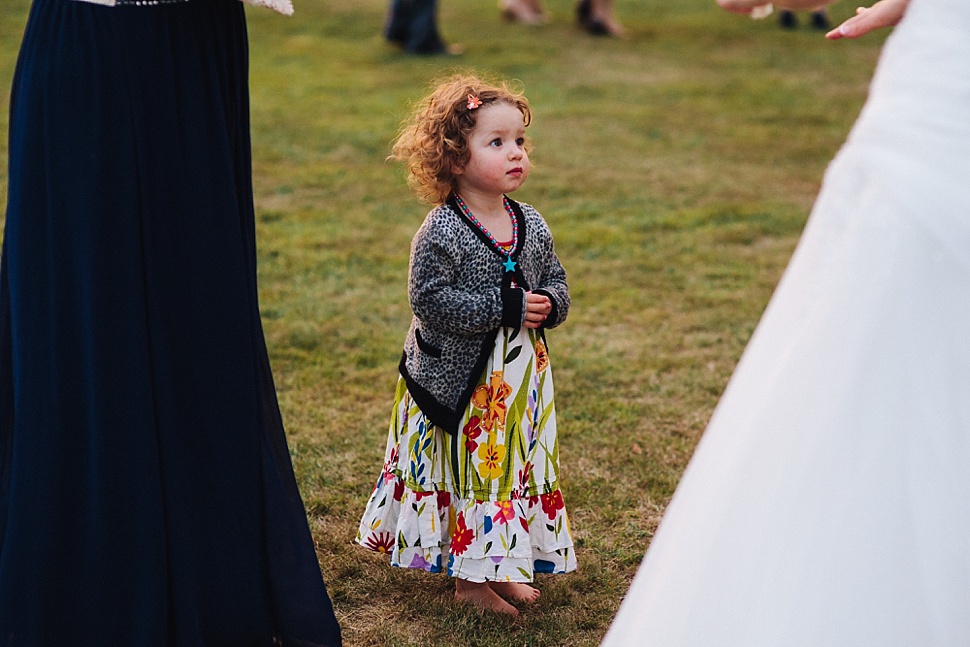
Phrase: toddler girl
[470,483]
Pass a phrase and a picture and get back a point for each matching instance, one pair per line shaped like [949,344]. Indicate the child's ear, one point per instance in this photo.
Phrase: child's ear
[457,170]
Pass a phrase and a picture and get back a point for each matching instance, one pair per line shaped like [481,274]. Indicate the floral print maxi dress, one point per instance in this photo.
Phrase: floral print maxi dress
[483,504]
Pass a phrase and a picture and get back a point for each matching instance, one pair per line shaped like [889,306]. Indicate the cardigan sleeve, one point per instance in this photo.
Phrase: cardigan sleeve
[438,299]
[552,282]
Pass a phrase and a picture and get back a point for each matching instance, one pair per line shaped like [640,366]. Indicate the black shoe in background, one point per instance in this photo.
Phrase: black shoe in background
[820,20]
[787,19]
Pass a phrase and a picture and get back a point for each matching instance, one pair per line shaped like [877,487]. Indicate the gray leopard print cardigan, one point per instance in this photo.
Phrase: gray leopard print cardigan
[461,296]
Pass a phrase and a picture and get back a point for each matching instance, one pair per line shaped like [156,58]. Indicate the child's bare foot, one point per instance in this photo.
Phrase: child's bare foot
[483,597]
[515,591]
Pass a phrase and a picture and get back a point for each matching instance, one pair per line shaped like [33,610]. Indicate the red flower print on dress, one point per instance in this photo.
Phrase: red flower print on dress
[444,499]
[389,466]
[461,539]
[525,474]
[491,398]
[506,512]
[398,489]
[381,542]
[552,503]
[472,430]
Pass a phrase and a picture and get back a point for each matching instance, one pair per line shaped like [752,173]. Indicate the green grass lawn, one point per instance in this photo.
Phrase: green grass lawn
[676,168]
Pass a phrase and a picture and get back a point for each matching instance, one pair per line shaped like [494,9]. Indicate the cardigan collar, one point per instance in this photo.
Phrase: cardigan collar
[507,277]
[519,224]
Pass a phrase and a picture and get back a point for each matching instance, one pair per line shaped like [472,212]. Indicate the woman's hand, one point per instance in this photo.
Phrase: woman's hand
[884,13]
[537,308]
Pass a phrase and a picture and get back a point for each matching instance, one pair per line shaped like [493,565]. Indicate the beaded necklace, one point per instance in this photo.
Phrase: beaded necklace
[509,264]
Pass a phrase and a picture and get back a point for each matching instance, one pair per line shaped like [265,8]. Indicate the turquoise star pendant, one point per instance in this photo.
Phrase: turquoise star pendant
[509,264]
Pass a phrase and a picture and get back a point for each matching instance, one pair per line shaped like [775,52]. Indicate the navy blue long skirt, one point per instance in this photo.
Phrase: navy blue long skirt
[146,490]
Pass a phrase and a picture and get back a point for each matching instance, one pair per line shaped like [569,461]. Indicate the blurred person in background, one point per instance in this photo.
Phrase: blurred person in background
[413,26]
[594,16]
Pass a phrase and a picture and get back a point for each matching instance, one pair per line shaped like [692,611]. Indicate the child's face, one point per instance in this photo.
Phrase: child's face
[497,160]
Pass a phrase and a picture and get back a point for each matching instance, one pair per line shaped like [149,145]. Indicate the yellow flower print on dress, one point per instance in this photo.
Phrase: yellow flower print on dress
[542,356]
[491,399]
[492,456]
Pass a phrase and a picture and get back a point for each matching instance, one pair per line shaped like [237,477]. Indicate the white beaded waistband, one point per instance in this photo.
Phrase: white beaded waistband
[282,6]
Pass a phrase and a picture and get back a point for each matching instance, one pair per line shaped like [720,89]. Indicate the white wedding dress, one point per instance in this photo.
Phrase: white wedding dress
[828,503]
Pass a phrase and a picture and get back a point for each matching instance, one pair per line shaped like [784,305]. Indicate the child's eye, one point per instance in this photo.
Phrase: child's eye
[520,141]
[495,142]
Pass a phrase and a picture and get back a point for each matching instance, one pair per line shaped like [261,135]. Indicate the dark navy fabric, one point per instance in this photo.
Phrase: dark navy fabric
[146,492]
[413,25]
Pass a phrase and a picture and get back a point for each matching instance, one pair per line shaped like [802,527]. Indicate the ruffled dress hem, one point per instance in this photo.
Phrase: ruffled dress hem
[471,539]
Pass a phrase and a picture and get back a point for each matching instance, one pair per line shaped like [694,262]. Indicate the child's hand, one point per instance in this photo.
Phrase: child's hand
[537,308]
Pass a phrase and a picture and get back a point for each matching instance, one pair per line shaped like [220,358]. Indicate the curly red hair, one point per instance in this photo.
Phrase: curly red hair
[433,141]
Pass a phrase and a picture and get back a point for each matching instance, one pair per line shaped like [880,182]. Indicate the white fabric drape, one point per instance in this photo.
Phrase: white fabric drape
[828,502]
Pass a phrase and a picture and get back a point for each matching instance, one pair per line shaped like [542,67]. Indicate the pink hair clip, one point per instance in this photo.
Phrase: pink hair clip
[473,102]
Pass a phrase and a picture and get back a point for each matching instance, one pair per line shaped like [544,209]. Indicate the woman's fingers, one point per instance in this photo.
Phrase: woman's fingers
[884,13]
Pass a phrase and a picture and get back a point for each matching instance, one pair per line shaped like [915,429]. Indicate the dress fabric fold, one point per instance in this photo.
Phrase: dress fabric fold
[826,503]
[146,491]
